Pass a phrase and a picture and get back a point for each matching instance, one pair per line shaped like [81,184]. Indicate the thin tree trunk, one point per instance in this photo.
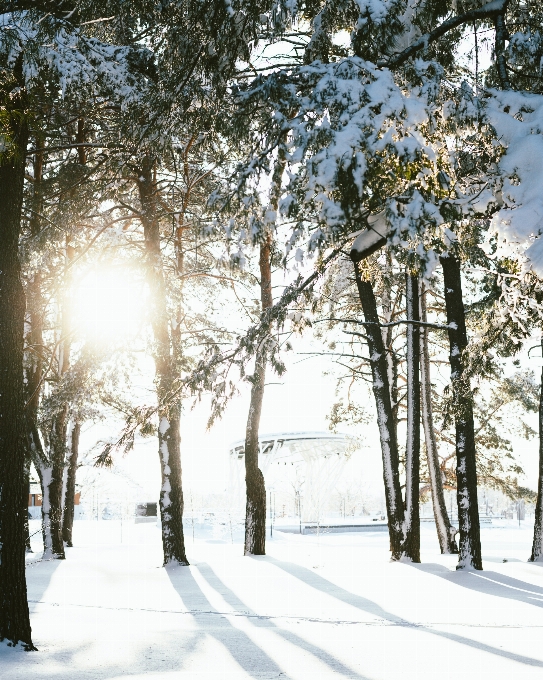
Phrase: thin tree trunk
[42,464]
[52,486]
[59,430]
[169,440]
[59,425]
[411,544]
[385,421]
[35,301]
[14,615]
[445,531]
[28,546]
[388,339]
[255,511]
[466,470]
[50,468]
[69,498]
[33,361]
[537,547]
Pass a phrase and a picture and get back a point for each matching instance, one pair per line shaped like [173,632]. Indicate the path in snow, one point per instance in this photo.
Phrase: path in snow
[328,606]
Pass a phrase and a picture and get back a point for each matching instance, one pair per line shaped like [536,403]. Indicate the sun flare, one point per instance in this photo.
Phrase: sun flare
[109,304]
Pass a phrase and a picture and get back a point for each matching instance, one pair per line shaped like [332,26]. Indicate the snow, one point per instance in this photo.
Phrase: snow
[370,239]
[517,119]
[81,65]
[327,606]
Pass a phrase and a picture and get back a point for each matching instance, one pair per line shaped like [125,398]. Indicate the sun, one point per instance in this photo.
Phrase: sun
[108,304]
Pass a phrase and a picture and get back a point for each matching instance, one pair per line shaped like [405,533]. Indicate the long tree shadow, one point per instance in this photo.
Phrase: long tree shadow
[233,600]
[489,583]
[313,580]
[38,578]
[249,656]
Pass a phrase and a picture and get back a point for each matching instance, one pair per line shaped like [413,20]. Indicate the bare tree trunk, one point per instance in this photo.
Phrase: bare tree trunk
[35,301]
[59,426]
[28,546]
[537,546]
[385,421]
[255,512]
[52,486]
[14,615]
[169,440]
[445,531]
[466,470]
[411,540]
[50,468]
[69,498]
[33,360]
[388,339]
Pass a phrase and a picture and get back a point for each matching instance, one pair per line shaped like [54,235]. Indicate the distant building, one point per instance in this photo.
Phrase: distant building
[35,500]
[304,466]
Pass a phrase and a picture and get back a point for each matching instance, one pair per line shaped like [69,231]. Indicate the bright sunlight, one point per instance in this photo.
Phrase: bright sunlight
[109,304]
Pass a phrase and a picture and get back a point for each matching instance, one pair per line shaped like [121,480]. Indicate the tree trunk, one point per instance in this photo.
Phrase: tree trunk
[69,498]
[14,616]
[255,512]
[33,360]
[537,547]
[445,531]
[411,540]
[58,430]
[169,440]
[35,301]
[59,424]
[385,421]
[50,468]
[28,546]
[466,470]
[52,487]
[388,339]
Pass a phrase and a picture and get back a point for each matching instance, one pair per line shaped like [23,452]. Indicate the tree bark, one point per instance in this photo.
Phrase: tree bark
[52,477]
[69,498]
[35,301]
[50,468]
[537,546]
[28,546]
[411,538]
[385,421]
[466,471]
[58,432]
[388,339]
[14,615]
[255,511]
[445,531]
[169,440]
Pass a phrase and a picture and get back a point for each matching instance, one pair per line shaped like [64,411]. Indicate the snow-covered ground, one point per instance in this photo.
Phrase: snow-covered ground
[327,606]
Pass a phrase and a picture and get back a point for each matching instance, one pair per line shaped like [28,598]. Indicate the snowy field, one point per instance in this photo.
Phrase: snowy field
[327,606]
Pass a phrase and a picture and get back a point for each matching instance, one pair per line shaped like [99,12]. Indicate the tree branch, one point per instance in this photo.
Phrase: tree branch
[492,10]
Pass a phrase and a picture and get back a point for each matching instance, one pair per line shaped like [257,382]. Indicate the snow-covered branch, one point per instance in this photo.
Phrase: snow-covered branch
[492,10]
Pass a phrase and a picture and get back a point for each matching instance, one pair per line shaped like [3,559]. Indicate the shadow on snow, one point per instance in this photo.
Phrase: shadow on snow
[319,583]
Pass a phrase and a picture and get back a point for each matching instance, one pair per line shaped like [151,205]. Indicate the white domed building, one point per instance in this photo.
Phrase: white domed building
[300,468]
